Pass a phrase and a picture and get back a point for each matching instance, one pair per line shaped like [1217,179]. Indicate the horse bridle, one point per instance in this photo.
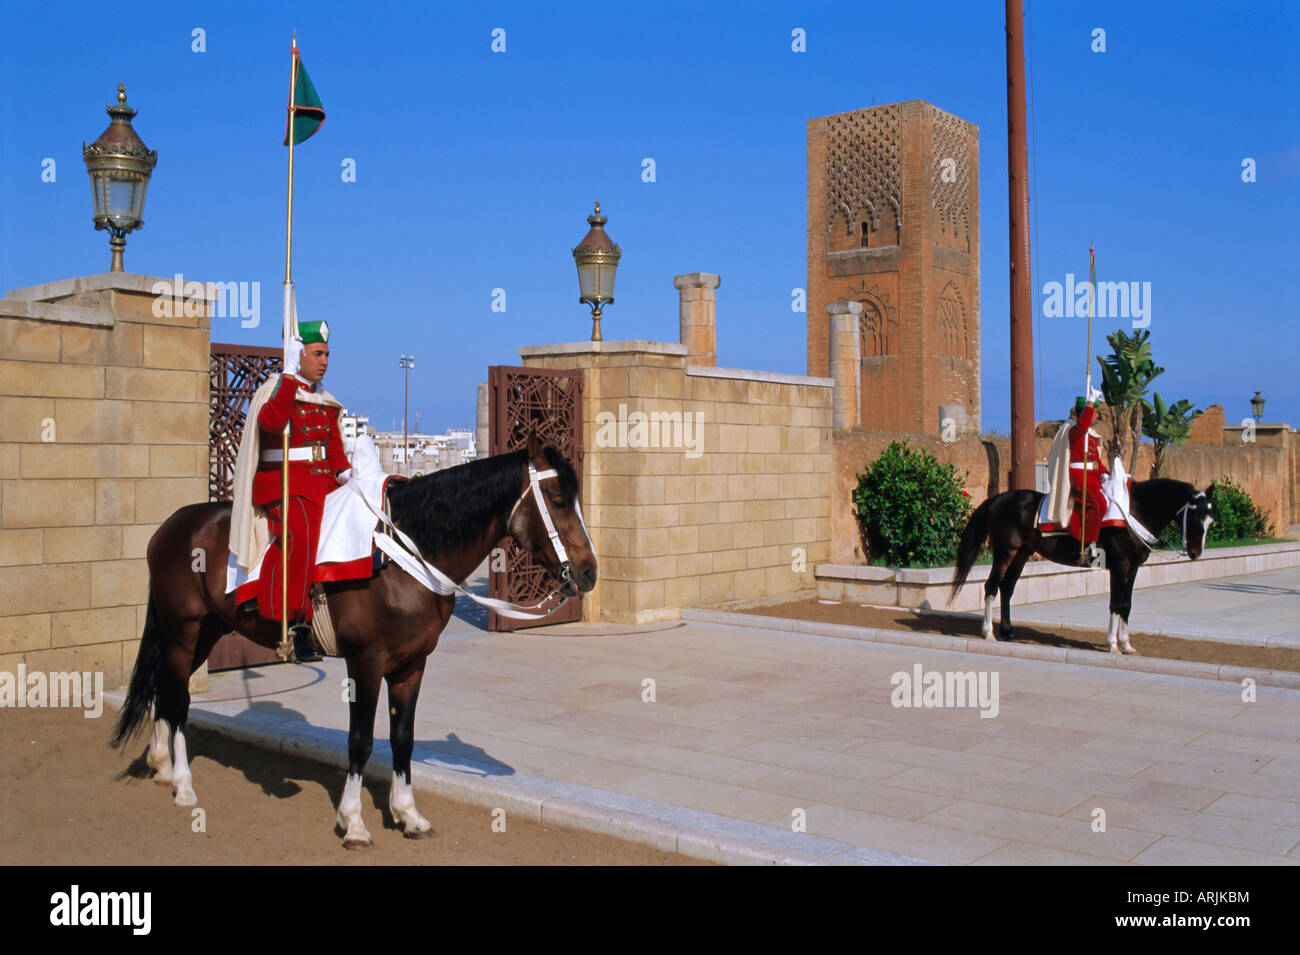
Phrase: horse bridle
[1183,511]
[535,478]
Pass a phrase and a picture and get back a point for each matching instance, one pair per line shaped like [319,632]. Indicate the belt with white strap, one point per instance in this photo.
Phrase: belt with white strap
[1085,467]
[314,452]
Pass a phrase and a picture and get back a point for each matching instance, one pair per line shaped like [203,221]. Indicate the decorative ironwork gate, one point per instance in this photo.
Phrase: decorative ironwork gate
[236,372]
[524,401]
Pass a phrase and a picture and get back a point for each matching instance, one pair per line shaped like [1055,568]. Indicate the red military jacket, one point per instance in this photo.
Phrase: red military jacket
[1078,434]
[313,426]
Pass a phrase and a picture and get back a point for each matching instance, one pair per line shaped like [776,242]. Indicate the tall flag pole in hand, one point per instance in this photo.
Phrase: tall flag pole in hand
[1087,367]
[305,117]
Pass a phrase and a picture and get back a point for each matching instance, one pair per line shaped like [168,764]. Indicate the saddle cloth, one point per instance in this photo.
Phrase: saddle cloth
[347,529]
[1115,487]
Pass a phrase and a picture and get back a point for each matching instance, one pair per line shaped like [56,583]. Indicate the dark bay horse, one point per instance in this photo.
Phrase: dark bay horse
[1009,522]
[386,626]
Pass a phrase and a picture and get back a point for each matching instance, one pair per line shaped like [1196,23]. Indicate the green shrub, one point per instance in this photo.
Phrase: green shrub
[1236,517]
[911,508]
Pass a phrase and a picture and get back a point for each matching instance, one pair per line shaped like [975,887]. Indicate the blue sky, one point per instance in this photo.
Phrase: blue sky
[476,170]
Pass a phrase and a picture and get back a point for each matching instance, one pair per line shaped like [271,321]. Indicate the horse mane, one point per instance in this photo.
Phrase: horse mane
[447,509]
[1163,492]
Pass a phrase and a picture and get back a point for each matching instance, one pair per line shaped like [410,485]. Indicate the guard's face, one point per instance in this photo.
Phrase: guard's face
[315,359]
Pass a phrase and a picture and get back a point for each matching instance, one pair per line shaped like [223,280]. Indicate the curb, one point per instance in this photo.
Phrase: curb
[690,832]
[1093,658]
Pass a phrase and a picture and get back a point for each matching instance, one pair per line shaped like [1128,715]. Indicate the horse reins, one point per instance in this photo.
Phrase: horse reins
[445,586]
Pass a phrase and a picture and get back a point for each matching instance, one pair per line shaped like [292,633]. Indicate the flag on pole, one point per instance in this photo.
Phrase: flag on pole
[305,111]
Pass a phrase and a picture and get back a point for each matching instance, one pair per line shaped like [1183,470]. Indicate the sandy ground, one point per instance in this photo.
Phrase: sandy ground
[1054,635]
[67,799]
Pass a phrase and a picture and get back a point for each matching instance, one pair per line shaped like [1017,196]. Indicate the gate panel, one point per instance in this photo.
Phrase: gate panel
[236,372]
[523,401]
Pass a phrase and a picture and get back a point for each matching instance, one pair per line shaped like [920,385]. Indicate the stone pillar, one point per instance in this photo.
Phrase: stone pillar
[698,310]
[481,421]
[845,361]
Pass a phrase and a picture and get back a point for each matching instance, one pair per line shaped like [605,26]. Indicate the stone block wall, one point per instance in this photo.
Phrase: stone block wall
[732,510]
[103,433]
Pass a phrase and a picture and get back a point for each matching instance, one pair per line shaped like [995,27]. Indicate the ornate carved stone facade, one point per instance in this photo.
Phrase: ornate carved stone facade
[893,223]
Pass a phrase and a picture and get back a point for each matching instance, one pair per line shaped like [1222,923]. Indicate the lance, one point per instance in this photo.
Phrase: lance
[286,646]
[1087,368]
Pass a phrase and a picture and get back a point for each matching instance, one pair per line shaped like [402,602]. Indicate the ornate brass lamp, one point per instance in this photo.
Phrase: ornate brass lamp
[597,259]
[1257,406]
[120,165]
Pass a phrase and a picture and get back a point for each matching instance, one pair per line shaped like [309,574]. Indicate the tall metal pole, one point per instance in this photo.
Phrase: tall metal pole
[408,362]
[1022,329]
[286,645]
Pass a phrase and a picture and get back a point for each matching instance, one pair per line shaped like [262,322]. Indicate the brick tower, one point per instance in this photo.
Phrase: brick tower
[893,223]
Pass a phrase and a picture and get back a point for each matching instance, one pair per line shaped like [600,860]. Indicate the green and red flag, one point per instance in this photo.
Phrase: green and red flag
[305,110]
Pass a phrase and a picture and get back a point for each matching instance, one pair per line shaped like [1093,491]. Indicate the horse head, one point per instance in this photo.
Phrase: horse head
[1196,516]
[547,521]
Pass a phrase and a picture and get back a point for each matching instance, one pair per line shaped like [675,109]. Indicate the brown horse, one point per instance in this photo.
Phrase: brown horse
[1009,522]
[386,626]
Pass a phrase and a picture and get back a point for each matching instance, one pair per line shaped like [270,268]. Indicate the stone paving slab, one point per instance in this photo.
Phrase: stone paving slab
[1253,609]
[749,726]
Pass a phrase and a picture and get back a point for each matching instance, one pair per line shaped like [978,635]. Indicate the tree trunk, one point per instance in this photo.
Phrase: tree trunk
[1137,436]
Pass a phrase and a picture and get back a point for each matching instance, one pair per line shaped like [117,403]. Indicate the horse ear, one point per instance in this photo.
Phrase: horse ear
[534,446]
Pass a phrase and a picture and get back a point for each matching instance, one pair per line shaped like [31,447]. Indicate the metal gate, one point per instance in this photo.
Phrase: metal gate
[548,403]
[235,372]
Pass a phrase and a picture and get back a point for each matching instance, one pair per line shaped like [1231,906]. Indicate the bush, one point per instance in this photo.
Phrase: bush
[1236,517]
[911,508]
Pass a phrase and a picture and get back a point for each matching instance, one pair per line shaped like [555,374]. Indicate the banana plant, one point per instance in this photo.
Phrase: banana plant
[1166,425]
[1126,374]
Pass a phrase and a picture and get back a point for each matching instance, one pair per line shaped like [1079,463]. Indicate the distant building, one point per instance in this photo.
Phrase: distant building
[426,452]
[352,426]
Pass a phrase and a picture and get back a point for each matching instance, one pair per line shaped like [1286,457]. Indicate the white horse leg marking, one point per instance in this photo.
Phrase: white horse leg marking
[1123,637]
[348,815]
[401,803]
[159,757]
[182,780]
[1112,636]
[987,629]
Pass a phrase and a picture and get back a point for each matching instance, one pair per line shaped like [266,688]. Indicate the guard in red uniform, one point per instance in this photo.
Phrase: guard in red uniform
[1086,470]
[316,460]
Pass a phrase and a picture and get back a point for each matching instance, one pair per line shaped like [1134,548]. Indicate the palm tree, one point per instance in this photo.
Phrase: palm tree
[1166,425]
[1126,374]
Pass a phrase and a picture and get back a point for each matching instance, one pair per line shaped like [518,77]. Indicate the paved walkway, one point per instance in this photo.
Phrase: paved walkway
[1257,609]
[748,727]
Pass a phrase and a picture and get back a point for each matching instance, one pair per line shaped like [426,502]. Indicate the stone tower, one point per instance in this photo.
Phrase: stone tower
[893,223]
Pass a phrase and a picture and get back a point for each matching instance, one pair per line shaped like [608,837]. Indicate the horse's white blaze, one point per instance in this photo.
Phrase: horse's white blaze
[349,812]
[987,629]
[182,780]
[159,757]
[401,803]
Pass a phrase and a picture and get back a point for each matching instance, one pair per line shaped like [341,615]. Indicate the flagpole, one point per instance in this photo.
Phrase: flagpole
[286,647]
[1087,368]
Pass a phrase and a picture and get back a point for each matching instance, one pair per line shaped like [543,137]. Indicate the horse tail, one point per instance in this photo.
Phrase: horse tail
[972,542]
[144,680]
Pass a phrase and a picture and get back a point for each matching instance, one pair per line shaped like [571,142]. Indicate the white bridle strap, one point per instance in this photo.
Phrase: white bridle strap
[407,556]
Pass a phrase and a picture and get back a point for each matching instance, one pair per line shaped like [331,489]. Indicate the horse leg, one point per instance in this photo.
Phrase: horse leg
[403,690]
[1007,588]
[1117,573]
[159,757]
[361,737]
[174,707]
[1126,606]
[1002,558]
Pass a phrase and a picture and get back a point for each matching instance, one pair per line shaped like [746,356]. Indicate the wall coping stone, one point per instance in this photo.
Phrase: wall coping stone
[104,281]
[98,317]
[708,371]
[603,348]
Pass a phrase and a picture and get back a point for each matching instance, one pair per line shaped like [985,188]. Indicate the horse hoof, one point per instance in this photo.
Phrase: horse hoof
[417,833]
[187,799]
[358,845]
[1131,652]
[1115,650]
[989,636]
[163,779]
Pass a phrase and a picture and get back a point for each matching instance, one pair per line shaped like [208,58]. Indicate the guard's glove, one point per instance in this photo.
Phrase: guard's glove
[345,476]
[1094,395]
[293,357]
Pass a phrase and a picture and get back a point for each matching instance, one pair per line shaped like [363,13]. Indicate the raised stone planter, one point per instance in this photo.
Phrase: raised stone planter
[1041,579]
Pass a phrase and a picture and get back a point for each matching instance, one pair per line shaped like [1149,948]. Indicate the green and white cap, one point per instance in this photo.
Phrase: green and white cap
[311,333]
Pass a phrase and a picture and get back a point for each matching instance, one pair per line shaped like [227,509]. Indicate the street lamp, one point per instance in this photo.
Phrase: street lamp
[597,260]
[407,362]
[1257,406]
[120,166]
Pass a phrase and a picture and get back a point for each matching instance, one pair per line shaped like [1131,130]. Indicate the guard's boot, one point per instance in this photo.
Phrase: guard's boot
[1094,557]
[304,651]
